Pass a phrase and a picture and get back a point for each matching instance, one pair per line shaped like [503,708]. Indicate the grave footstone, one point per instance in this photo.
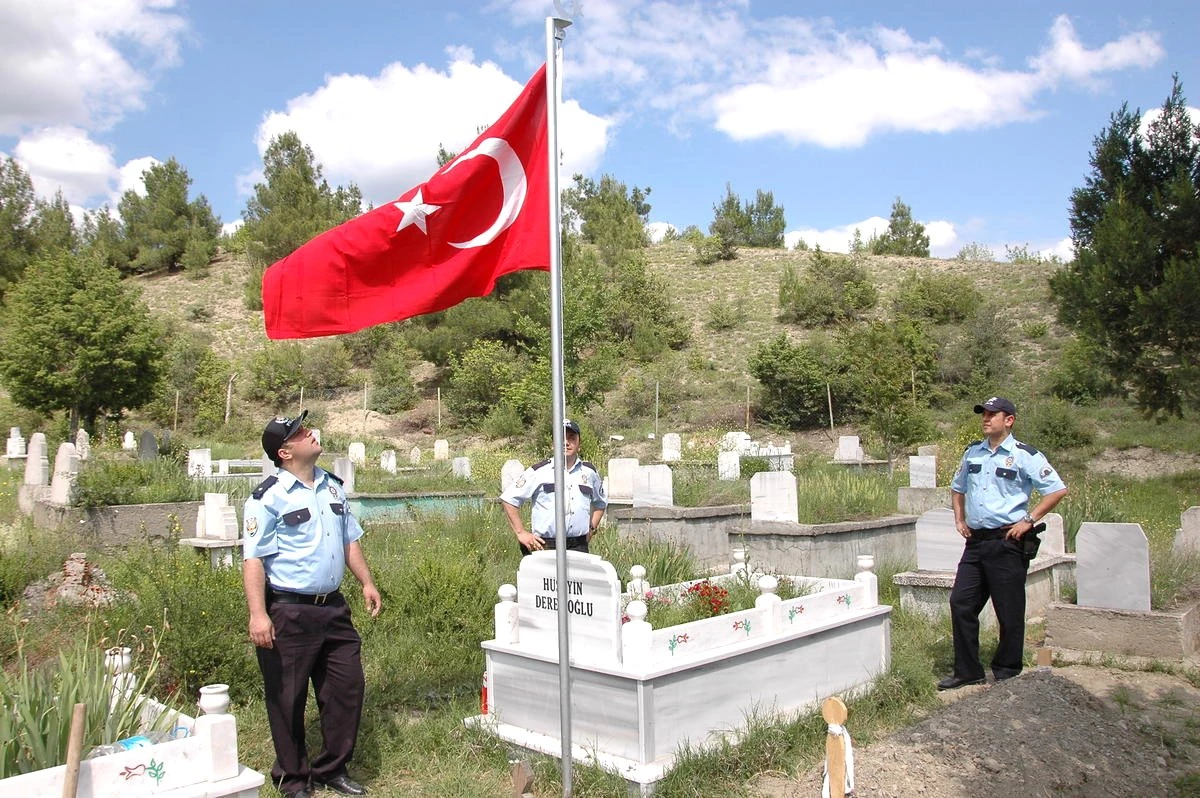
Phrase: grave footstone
[653,486]
[922,472]
[1188,537]
[939,546]
[83,444]
[441,449]
[343,468]
[461,467]
[357,453]
[199,463]
[147,447]
[773,497]
[621,471]
[848,450]
[1112,566]
[37,467]
[671,447]
[387,460]
[510,472]
[129,442]
[414,455]
[66,470]
[729,465]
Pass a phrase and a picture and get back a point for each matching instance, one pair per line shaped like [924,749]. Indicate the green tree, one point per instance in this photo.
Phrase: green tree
[794,380]
[750,224]
[904,236]
[1132,292]
[392,389]
[163,226]
[16,222]
[609,215]
[194,382]
[834,288]
[78,339]
[293,204]
[54,226]
[103,239]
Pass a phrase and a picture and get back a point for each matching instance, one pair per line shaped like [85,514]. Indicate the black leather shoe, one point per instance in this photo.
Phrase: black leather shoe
[343,784]
[301,793]
[955,682]
[1002,676]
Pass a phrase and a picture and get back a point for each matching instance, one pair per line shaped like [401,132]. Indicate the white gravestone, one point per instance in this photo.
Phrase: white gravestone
[343,467]
[1188,538]
[441,449]
[620,478]
[83,444]
[653,486]
[129,442]
[199,463]
[672,447]
[593,604]
[922,472]
[414,455]
[66,470]
[1112,566]
[773,497]
[929,450]
[939,546]
[357,453]
[217,519]
[461,467]
[848,450]
[387,460]
[729,465]
[510,472]
[735,441]
[16,443]
[37,467]
[1053,536]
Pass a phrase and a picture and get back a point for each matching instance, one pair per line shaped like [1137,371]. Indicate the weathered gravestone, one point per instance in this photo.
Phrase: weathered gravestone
[199,463]
[922,472]
[773,497]
[66,471]
[147,447]
[16,443]
[737,441]
[653,486]
[129,442]
[939,546]
[461,467]
[729,465]
[441,449]
[1188,537]
[1112,566]
[621,471]
[387,460]
[357,453]
[83,444]
[672,447]
[593,604]
[343,468]
[37,467]
[414,455]
[848,450]
[510,472]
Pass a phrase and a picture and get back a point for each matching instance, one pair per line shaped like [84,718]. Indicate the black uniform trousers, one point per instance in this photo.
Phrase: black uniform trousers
[990,568]
[318,643]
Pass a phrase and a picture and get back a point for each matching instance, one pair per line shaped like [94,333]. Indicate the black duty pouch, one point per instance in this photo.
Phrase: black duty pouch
[1030,542]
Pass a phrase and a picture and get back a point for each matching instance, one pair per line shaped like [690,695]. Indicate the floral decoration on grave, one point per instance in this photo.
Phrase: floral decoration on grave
[793,611]
[742,624]
[844,599]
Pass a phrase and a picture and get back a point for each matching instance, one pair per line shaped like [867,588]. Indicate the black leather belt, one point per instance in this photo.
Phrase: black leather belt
[319,599]
[990,534]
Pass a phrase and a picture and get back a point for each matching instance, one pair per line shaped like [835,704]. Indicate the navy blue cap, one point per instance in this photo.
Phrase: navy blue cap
[997,404]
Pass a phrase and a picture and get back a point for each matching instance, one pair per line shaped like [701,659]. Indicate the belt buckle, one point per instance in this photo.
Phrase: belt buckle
[320,598]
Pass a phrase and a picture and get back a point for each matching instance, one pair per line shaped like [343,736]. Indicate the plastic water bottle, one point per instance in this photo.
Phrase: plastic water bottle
[144,740]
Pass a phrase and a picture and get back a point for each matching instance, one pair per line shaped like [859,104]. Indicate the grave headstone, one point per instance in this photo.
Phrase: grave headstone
[653,486]
[387,460]
[672,447]
[37,467]
[199,463]
[129,442]
[16,443]
[620,478]
[1053,536]
[735,441]
[510,472]
[1188,537]
[939,546]
[848,450]
[1112,566]
[593,604]
[217,519]
[414,455]
[773,497]
[147,447]
[729,465]
[922,472]
[441,449]
[357,453]
[66,470]
[461,467]
[343,467]
[83,444]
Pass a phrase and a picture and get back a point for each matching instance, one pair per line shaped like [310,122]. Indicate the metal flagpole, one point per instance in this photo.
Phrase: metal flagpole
[555,31]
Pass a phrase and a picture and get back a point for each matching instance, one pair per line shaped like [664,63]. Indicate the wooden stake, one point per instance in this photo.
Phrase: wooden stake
[834,712]
[74,751]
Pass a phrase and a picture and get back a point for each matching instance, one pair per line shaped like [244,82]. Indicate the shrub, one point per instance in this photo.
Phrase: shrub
[1078,375]
[726,315]
[833,288]
[1054,425]
[976,252]
[940,298]
[1034,330]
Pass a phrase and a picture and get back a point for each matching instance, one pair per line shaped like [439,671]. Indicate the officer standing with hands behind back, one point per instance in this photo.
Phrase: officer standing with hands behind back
[299,539]
[990,493]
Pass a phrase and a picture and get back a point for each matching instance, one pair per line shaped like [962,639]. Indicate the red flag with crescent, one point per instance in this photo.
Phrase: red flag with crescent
[482,215]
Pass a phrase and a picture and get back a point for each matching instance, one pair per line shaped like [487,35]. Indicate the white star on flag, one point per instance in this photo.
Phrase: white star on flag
[415,212]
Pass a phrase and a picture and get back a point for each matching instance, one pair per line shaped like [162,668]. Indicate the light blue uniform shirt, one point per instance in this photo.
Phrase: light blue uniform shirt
[584,488]
[997,484]
[300,533]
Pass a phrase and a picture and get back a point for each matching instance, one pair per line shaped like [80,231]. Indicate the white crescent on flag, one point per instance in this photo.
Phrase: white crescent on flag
[512,181]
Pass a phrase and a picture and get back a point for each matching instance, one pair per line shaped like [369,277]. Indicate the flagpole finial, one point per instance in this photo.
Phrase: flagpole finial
[567,11]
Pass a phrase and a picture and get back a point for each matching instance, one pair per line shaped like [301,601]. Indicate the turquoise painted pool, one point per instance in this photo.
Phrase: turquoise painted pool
[406,506]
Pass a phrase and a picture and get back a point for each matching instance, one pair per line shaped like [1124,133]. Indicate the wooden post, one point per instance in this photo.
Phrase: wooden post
[834,712]
[74,751]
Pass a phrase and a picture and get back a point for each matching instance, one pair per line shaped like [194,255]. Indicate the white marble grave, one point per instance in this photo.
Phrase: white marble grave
[1188,537]
[414,455]
[621,471]
[441,449]
[672,447]
[729,465]
[217,519]
[16,443]
[199,463]
[922,472]
[1054,541]
[848,450]
[461,467]
[357,453]
[37,466]
[736,441]
[653,486]
[1112,566]
[66,471]
[510,472]
[129,442]
[773,497]
[343,467]
[83,444]
[593,605]
[939,546]
[387,460]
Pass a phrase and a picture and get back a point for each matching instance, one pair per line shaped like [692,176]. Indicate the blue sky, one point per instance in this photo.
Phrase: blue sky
[979,115]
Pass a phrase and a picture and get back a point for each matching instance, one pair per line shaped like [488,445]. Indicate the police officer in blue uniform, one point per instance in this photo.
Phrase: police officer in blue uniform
[299,538]
[990,494]
[585,499]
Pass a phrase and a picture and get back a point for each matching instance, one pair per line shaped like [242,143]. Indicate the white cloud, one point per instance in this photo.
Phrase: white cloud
[66,158]
[84,63]
[1067,58]
[943,238]
[1149,117]
[658,230]
[383,132]
[130,177]
[836,239]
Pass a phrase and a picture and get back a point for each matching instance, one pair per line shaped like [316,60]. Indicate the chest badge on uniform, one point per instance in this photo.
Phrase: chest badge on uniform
[1008,461]
[251,527]
[333,490]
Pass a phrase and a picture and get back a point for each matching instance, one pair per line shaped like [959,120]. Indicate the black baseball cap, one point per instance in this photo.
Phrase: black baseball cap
[997,404]
[278,430]
[571,426]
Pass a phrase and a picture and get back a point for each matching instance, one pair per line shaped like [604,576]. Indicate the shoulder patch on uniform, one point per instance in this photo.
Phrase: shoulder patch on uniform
[973,443]
[1027,448]
[586,464]
[336,478]
[264,486]
[536,466]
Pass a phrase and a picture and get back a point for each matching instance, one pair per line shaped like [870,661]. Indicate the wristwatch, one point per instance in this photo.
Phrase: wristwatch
[1028,519]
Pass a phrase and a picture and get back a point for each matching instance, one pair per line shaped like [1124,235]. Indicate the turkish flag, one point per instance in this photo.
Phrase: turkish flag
[482,215]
